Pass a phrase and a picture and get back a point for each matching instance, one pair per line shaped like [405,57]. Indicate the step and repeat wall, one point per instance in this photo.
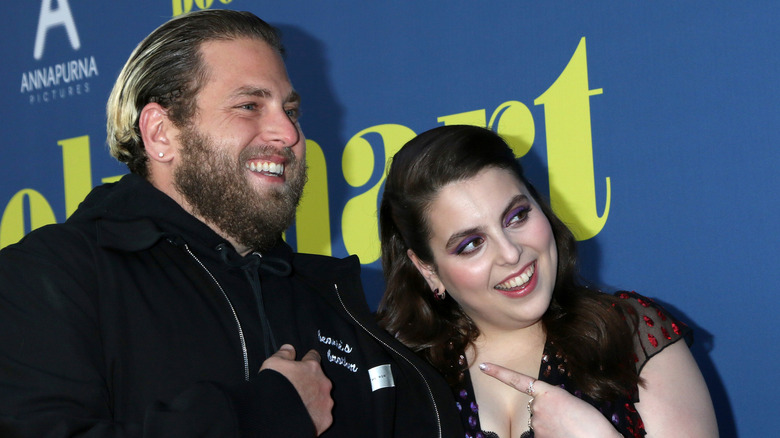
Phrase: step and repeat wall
[647,124]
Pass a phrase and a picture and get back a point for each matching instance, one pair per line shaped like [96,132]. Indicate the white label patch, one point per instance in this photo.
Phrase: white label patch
[381,377]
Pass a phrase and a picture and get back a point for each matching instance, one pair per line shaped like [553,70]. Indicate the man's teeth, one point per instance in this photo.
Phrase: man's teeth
[519,280]
[266,167]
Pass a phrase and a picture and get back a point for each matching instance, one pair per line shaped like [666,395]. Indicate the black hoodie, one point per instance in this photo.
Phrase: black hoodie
[135,319]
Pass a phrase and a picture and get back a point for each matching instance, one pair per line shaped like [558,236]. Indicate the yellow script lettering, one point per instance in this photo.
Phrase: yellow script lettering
[12,224]
[570,148]
[512,120]
[184,6]
[358,221]
[77,171]
[312,219]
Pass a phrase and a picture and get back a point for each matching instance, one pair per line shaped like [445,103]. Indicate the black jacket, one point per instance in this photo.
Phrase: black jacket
[134,319]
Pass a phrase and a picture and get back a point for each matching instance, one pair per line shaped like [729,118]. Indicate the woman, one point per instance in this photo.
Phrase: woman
[481,282]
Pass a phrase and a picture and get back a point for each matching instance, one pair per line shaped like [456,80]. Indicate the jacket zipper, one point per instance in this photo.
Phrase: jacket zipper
[232,309]
[427,385]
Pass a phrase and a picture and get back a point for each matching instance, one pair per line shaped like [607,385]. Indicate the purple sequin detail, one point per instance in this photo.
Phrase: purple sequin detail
[615,419]
[460,408]
[472,421]
[463,394]
[474,407]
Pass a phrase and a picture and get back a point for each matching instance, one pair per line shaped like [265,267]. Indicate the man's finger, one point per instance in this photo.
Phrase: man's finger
[519,381]
[312,355]
[286,351]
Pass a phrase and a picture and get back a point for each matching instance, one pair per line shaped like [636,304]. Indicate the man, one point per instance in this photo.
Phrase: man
[168,305]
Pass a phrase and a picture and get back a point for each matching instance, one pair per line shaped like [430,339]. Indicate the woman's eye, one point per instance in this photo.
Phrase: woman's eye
[517,215]
[469,245]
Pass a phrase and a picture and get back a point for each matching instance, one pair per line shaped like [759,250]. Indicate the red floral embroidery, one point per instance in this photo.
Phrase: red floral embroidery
[676,329]
[648,321]
[665,332]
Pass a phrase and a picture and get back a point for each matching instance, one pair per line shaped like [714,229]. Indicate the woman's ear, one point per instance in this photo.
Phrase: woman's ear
[427,271]
[157,132]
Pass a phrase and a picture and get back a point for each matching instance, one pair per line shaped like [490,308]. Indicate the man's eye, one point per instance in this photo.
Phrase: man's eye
[293,113]
[249,106]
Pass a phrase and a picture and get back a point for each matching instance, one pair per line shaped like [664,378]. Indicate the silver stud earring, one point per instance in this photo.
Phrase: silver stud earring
[160,154]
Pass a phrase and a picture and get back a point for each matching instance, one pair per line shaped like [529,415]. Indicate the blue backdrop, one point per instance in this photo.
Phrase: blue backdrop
[647,123]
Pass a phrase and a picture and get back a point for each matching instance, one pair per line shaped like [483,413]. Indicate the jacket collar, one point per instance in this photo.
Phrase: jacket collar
[132,215]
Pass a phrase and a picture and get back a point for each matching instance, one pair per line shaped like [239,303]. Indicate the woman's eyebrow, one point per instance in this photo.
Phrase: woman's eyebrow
[457,237]
[521,198]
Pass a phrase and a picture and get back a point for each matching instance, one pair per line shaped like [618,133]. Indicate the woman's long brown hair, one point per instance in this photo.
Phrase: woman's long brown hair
[589,327]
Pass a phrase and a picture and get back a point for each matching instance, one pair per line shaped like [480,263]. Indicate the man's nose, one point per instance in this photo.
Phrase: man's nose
[278,129]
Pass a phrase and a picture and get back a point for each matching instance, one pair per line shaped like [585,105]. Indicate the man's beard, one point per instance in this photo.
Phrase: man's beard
[218,190]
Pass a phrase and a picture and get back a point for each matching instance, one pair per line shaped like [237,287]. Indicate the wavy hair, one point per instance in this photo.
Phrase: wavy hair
[586,325]
[167,68]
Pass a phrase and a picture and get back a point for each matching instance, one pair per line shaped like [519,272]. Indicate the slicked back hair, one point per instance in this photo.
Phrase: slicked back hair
[167,68]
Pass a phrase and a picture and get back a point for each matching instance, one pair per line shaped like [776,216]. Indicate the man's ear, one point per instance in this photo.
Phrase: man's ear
[157,132]
[427,271]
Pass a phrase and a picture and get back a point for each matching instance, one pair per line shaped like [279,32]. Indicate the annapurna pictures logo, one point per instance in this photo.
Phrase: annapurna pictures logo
[65,79]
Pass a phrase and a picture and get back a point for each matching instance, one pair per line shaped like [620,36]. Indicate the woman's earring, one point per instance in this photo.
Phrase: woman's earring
[438,296]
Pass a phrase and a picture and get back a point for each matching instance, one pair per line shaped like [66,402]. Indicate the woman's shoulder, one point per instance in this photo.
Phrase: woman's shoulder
[653,326]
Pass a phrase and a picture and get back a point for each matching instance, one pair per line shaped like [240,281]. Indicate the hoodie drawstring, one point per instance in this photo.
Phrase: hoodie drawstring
[251,267]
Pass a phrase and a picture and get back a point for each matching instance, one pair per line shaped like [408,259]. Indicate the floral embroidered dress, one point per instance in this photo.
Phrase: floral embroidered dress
[656,330]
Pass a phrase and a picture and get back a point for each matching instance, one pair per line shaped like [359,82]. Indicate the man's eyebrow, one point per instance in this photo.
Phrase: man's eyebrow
[265,93]
[252,91]
[293,97]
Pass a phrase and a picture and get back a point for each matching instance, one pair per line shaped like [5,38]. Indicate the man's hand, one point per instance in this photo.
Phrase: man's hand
[309,380]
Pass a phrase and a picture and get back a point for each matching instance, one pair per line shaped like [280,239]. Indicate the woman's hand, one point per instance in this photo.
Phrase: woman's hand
[554,412]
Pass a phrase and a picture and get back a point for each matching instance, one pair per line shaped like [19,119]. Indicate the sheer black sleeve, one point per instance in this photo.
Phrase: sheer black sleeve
[655,328]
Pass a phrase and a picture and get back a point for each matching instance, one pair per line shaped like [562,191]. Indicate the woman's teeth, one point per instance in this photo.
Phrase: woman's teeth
[519,280]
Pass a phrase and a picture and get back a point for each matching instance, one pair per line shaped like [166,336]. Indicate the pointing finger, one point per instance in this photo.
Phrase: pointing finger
[519,381]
